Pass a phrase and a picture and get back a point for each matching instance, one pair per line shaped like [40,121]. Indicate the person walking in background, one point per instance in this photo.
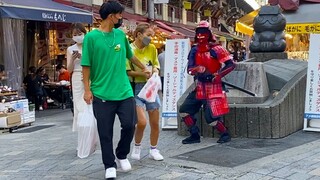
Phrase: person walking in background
[107,87]
[161,58]
[147,54]
[73,66]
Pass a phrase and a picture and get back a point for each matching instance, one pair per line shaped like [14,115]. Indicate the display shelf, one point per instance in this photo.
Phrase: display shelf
[9,94]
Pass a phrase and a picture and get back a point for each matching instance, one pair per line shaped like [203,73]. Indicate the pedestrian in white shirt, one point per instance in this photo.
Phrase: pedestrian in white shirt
[73,65]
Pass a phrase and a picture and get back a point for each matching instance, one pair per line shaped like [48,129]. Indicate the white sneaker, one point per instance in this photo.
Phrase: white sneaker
[111,173]
[155,154]
[50,100]
[136,152]
[123,165]
[40,108]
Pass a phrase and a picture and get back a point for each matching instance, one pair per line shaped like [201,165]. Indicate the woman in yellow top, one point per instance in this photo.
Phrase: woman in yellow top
[148,55]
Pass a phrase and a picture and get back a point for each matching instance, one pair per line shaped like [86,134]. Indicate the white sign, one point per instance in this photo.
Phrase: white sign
[160,1]
[175,79]
[54,16]
[312,104]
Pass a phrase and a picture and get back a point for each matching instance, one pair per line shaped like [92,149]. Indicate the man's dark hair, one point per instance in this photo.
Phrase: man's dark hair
[59,66]
[110,7]
[32,69]
[1,67]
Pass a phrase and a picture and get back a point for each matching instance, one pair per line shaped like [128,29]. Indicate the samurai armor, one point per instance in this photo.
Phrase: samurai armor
[209,90]
[219,106]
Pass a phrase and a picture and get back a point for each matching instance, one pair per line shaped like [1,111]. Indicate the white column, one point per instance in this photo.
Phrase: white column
[137,6]
[184,16]
[165,12]
[198,17]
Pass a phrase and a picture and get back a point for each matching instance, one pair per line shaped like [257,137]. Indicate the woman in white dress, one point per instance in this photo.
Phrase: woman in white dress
[73,65]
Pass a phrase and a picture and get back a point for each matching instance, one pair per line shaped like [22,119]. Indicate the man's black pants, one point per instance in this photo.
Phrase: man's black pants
[104,112]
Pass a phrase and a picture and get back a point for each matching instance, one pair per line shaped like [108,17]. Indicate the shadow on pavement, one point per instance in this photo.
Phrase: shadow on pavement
[241,151]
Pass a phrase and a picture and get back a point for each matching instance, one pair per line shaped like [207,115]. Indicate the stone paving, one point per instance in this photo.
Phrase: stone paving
[51,154]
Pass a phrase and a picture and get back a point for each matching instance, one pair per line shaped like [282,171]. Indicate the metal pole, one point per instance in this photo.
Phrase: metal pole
[151,9]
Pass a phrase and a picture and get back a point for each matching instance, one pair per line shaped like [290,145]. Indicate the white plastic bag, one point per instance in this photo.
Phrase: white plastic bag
[150,90]
[87,132]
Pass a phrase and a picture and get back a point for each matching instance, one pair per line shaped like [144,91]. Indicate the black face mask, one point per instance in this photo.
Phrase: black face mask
[118,24]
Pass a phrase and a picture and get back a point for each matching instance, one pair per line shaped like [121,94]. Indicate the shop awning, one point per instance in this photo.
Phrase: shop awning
[187,32]
[307,13]
[43,10]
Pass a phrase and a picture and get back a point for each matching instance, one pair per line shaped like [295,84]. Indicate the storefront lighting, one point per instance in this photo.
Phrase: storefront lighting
[253,4]
[289,36]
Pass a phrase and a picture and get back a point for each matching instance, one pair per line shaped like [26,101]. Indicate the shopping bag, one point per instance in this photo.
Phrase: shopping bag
[87,132]
[150,90]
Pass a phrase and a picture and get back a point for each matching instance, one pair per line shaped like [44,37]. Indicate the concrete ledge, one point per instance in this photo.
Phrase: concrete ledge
[279,116]
[263,57]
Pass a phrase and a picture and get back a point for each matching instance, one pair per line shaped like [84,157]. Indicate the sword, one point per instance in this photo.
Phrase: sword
[239,88]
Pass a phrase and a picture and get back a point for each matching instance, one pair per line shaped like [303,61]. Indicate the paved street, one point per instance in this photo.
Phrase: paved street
[50,153]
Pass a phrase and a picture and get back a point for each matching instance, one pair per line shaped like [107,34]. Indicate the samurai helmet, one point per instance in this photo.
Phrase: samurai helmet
[203,33]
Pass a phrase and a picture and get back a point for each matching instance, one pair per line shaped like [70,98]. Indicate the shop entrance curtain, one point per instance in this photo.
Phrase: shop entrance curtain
[13,34]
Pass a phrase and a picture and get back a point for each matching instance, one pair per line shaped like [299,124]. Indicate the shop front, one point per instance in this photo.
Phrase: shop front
[300,24]
[35,33]
[32,33]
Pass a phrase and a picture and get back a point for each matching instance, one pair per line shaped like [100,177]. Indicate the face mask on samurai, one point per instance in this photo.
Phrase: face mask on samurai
[202,38]
[118,24]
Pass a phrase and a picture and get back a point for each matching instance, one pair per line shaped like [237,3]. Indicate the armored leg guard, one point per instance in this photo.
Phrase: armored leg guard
[224,134]
[189,120]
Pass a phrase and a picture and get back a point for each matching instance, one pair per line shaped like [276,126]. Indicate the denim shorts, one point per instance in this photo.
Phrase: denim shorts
[141,102]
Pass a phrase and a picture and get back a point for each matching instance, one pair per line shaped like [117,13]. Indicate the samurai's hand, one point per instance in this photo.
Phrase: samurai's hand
[196,70]
[216,77]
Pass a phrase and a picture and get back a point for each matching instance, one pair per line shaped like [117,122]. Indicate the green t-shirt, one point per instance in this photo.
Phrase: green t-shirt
[106,54]
[148,54]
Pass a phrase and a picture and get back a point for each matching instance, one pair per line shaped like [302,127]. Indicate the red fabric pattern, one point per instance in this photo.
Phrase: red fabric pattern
[220,127]
[219,106]
[188,120]
[209,90]
[222,53]
[205,59]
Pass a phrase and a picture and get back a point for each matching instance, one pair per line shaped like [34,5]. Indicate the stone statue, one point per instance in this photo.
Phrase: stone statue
[268,26]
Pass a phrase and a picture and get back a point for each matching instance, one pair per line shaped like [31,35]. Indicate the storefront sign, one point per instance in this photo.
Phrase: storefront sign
[54,16]
[187,5]
[175,79]
[303,28]
[160,1]
[312,102]
[207,13]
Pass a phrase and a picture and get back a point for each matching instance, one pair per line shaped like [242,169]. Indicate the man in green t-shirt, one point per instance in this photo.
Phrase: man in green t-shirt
[106,85]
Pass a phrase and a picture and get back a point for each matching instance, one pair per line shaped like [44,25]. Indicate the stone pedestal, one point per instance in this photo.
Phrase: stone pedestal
[263,57]
[250,76]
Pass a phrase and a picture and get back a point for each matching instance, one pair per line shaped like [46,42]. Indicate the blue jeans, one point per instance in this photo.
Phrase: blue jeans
[141,102]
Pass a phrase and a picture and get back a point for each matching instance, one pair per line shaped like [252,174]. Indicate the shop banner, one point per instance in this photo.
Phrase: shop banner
[175,79]
[312,102]
[161,1]
[303,28]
